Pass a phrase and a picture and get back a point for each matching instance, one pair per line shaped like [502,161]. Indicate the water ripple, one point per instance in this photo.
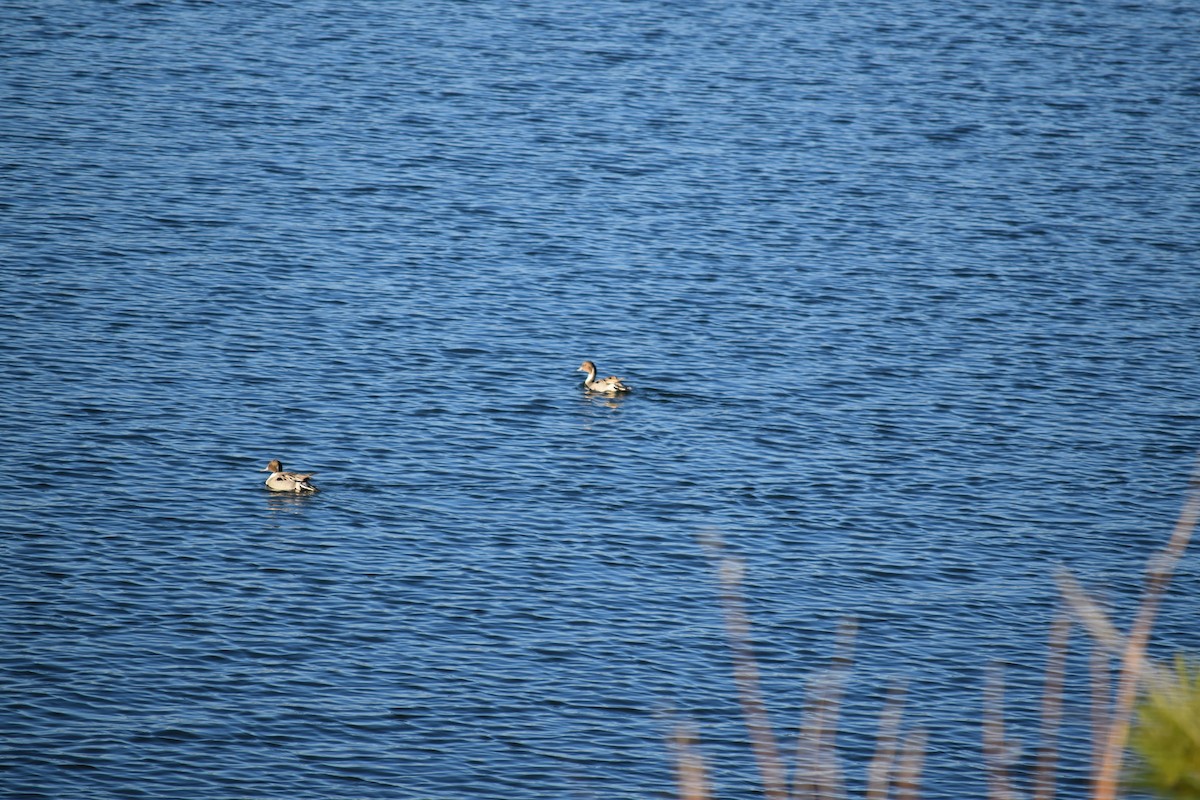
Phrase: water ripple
[907,299]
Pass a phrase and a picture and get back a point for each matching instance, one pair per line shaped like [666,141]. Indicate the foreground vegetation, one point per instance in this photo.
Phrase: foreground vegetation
[1166,736]
[1153,711]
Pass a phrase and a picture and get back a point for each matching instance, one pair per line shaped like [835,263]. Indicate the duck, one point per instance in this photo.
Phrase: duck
[610,385]
[280,481]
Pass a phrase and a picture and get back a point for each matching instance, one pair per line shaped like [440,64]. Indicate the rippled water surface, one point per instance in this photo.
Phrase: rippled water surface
[907,291]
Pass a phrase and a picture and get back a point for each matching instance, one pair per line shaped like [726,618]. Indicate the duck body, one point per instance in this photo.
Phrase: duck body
[280,481]
[610,385]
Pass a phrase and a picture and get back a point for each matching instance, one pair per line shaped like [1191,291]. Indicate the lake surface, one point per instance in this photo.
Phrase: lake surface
[908,292]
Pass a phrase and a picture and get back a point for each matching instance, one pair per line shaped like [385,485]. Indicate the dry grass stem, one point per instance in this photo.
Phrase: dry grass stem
[909,765]
[1161,567]
[1091,616]
[745,677]
[818,773]
[879,773]
[1043,780]
[995,749]
[689,765]
[1101,682]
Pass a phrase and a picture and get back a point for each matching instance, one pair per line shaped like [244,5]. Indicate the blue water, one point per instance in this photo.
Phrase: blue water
[907,290]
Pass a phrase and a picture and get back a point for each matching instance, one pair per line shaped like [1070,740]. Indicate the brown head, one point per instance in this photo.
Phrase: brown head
[586,366]
[274,466]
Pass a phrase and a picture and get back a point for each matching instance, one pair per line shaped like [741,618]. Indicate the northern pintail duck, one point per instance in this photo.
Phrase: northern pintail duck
[610,385]
[280,481]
